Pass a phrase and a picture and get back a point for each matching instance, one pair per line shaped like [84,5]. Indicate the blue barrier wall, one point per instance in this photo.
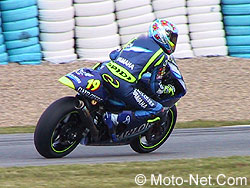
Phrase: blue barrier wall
[237,27]
[3,54]
[20,31]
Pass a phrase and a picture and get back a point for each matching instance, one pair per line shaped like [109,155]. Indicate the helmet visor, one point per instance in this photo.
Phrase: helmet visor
[173,40]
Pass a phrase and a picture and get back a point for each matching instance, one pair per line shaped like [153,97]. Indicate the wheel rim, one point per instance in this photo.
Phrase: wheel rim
[155,140]
[66,133]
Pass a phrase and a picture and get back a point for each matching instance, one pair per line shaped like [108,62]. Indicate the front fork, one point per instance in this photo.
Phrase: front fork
[86,119]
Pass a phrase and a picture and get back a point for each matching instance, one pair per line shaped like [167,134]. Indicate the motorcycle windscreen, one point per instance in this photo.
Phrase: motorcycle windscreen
[87,82]
[174,70]
[180,85]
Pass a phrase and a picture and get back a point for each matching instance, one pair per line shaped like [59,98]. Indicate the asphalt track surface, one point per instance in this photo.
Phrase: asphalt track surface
[19,150]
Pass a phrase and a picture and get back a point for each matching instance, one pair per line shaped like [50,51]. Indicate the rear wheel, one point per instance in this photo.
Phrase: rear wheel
[58,131]
[155,136]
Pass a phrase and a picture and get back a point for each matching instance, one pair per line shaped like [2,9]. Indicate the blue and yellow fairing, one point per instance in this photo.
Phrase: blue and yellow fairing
[87,82]
[67,82]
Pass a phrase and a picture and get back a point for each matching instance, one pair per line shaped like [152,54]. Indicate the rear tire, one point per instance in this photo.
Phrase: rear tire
[139,146]
[58,131]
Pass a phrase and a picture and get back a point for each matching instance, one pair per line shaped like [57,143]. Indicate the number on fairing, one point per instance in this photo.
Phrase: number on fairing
[93,84]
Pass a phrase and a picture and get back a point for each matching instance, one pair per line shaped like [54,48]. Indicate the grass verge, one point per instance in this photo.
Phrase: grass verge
[122,175]
[189,124]
[206,124]
[17,129]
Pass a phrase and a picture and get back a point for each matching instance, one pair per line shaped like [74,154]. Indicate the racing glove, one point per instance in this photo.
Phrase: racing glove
[166,89]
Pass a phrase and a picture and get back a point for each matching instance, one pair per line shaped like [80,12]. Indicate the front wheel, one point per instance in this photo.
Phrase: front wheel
[58,130]
[155,136]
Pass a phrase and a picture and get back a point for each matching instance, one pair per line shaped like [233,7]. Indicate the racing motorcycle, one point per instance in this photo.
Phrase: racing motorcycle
[79,119]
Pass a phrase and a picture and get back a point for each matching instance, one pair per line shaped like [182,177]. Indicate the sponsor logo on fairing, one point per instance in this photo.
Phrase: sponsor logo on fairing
[89,94]
[135,130]
[127,120]
[141,98]
[74,77]
[120,72]
[107,78]
[148,100]
[82,72]
[126,62]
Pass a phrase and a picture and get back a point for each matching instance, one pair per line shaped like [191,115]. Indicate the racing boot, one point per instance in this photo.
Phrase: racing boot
[128,118]
[112,120]
[160,117]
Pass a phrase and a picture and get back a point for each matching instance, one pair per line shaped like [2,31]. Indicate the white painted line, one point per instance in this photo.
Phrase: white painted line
[239,126]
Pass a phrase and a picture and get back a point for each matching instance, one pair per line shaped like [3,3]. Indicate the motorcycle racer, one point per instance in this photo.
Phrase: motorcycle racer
[129,99]
[145,54]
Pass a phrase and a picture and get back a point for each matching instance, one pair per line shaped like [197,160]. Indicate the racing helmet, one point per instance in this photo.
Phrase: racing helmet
[165,34]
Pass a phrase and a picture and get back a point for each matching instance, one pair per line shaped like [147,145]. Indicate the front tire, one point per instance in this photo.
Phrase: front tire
[58,130]
[147,143]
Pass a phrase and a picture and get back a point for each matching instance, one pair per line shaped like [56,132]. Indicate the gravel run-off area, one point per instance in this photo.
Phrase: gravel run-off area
[218,89]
